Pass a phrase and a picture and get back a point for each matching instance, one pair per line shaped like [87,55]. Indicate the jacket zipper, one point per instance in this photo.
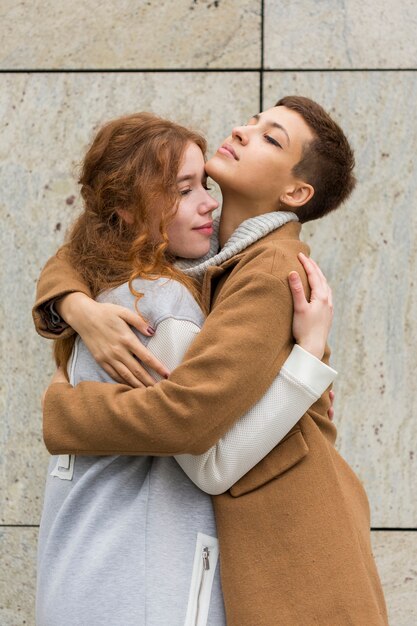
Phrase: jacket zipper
[206,566]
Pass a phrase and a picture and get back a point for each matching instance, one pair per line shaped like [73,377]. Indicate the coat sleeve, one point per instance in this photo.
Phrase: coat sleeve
[300,382]
[58,278]
[230,365]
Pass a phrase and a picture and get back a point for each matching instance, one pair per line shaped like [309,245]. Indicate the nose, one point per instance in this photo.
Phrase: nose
[209,204]
[239,133]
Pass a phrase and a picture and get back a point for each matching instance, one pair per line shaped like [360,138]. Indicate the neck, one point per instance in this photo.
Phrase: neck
[237,209]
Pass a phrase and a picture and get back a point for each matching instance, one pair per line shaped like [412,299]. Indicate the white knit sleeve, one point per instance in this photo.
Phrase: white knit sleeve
[300,382]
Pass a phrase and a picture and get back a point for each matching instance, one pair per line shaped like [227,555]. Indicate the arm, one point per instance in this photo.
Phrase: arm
[301,381]
[64,304]
[57,279]
[242,346]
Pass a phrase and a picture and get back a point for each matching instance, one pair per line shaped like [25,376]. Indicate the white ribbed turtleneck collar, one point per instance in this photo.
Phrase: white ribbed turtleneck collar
[249,231]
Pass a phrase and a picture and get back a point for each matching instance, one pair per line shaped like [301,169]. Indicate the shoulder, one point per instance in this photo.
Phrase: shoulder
[275,254]
[261,271]
[162,298]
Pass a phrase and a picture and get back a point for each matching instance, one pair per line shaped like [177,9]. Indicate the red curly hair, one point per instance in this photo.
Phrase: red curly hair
[131,166]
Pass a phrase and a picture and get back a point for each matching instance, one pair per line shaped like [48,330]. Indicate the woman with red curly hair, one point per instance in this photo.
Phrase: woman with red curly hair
[130,540]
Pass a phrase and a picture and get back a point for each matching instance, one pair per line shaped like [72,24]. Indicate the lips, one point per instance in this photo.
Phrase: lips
[228,150]
[206,229]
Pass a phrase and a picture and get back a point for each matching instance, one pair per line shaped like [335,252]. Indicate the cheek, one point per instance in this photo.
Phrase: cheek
[253,172]
[177,228]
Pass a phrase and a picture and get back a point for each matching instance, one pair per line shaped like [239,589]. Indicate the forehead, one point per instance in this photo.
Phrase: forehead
[192,158]
[192,163]
[293,122]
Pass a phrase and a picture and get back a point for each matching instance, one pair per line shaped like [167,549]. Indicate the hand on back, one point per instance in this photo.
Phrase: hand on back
[106,330]
[312,319]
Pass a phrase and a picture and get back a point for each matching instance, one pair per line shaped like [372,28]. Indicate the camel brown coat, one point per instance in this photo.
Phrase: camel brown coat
[295,531]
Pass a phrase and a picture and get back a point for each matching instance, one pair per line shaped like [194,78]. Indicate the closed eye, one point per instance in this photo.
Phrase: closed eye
[273,141]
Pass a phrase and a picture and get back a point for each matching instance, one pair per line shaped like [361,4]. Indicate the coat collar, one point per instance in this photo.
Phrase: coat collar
[248,232]
[290,230]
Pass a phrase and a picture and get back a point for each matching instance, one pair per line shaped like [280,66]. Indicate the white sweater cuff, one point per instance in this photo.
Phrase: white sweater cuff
[313,373]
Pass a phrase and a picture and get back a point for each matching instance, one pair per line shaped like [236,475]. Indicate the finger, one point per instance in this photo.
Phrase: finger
[320,274]
[297,290]
[330,413]
[331,396]
[320,287]
[148,359]
[137,321]
[128,377]
[312,275]
[137,370]
[331,297]
[112,373]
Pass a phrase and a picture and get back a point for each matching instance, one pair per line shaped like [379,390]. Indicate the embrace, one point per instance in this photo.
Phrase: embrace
[193,479]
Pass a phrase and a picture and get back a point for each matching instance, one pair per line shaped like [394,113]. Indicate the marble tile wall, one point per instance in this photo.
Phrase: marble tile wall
[359,61]
[368,250]
[337,35]
[123,35]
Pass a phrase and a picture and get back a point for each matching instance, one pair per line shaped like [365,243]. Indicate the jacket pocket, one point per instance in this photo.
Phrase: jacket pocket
[205,562]
[285,455]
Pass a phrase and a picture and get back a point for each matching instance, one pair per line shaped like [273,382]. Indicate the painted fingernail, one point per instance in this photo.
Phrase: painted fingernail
[151,330]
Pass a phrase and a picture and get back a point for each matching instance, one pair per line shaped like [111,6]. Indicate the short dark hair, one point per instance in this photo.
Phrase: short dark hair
[327,162]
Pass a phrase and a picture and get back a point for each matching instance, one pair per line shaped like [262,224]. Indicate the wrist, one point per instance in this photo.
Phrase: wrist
[313,348]
[69,305]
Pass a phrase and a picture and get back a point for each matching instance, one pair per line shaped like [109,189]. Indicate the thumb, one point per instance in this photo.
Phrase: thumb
[297,291]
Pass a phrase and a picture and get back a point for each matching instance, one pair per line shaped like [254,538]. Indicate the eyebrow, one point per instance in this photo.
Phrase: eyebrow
[257,117]
[181,179]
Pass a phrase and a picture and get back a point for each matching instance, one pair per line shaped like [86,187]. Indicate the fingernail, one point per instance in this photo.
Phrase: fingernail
[166,375]
[151,330]
[293,276]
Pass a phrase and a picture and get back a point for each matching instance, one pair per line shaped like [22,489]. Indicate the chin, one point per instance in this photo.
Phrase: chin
[215,167]
[196,253]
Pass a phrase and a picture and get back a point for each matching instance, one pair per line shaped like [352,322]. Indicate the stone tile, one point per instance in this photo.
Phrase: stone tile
[304,34]
[368,251]
[396,557]
[17,576]
[171,34]
[47,123]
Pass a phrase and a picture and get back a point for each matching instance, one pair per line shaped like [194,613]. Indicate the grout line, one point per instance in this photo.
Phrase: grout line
[261,72]
[374,529]
[341,69]
[19,525]
[260,69]
[110,70]
[390,529]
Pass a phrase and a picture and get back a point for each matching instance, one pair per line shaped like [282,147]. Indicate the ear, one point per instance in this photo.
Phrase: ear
[297,195]
[126,216]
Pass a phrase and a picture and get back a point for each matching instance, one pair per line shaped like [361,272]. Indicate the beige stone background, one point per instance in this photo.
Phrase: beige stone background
[65,67]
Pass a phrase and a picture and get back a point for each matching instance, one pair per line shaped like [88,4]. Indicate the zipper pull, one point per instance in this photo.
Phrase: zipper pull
[206,562]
